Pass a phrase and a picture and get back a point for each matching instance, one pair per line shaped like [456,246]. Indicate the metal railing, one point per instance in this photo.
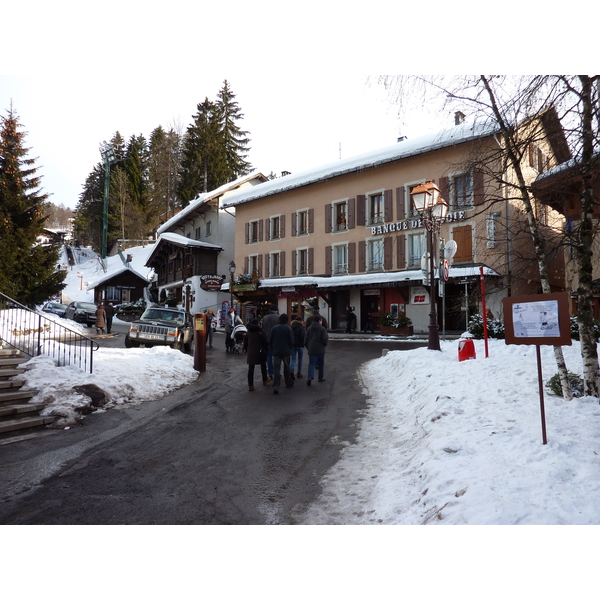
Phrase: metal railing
[34,334]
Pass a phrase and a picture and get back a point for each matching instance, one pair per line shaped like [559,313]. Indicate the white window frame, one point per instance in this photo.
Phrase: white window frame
[414,260]
[335,227]
[275,235]
[252,264]
[409,212]
[274,256]
[373,267]
[251,224]
[337,267]
[452,179]
[372,220]
[208,228]
[302,230]
[299,253]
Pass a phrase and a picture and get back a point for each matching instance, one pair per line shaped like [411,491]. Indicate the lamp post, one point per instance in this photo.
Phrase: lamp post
[108,154]
[432,208]
[231,272]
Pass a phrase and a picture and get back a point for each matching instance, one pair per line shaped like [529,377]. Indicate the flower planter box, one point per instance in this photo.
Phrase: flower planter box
[389,330]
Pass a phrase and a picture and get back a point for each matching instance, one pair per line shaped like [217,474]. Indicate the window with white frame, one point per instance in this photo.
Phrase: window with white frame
[197,233]
[340,216]
[302,261]
[302,222]
[340,259]
[416,248]
[253,265]
[375,254]
[253,232]
[411,213]
[275,232]
[275,264]
[375,208]
[208,228]
[461,191]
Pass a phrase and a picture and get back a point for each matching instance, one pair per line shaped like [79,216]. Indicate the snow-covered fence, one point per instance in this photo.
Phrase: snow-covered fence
[35,334]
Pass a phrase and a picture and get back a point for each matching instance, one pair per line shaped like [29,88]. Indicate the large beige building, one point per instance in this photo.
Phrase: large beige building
[346,234]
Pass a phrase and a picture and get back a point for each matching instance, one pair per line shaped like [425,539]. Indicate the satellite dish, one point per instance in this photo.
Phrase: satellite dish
[450,249]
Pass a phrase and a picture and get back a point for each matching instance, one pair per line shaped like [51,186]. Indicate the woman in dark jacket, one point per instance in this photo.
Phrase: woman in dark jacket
[256,346]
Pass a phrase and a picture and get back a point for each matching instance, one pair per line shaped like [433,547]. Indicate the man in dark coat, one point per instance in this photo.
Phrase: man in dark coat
[269,321]
[298,348]
[312,317]
[350,318]
[281,342]
[315,340]
[256,346]
[110,313]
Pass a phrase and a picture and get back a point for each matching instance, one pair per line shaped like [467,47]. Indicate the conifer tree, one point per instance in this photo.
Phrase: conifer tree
[28,271]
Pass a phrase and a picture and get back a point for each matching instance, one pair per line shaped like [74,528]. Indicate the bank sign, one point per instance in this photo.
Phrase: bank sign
[459,215]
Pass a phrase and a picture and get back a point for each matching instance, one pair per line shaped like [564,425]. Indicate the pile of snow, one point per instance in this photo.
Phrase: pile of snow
[448,442]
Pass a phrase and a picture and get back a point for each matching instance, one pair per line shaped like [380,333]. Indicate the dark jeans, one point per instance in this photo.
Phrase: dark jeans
[277,362]
[263,370]
[316,360]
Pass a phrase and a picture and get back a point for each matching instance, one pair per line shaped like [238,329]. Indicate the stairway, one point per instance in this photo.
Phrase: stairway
[19,419]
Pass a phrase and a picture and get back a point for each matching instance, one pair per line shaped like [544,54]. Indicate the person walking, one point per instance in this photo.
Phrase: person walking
[110,313]
[256,346]
[350,318]
[210,318]
[298,347]
[281,342]
[230,323]
[312,317]
[100,319]
[315,340]
[269,321]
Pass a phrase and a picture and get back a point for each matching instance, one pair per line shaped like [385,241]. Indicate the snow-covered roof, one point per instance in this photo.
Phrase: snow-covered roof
[204,198]
[113,274]
[404,149]
[181,240]
[365,279]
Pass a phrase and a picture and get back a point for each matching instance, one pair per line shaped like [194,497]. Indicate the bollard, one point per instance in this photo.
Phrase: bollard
[200,342]
[466,349]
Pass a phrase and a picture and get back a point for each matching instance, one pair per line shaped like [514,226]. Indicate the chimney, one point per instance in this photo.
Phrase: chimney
[458,118]
[401,138]
[285,173]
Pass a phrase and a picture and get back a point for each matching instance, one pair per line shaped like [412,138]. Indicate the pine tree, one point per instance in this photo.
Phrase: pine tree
[28,272]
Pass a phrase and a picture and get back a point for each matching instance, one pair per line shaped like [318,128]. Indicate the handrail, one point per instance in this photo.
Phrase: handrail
[34,334]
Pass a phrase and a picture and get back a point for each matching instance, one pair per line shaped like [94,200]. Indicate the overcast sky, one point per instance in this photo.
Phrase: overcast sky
[77,72]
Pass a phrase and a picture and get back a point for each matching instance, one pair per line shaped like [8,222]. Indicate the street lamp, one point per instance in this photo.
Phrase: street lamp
[231,272]
[108,154]
[432,208]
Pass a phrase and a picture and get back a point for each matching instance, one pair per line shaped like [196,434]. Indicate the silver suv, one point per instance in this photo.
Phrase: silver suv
[162,326]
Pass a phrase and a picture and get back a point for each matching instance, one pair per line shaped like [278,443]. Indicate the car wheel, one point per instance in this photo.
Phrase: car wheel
[189,347]
[129,343]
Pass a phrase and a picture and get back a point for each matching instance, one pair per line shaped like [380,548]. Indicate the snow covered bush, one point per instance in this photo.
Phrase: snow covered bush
[495,327]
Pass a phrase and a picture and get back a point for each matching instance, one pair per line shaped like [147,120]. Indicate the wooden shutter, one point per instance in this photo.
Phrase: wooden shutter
[328,260]
[351,213]
[361,210]
[352,257]
[260,230]
[478,195]
[267,272]
[462,235]
[246,264]
[401,251]
[400,204]
[260,265]
[388,264]
[267,229]
[294,263]
[294,224]
[311,220]
[282,264]
[445,190]
[388,206]
[282,226]
[311,256]
[247,234]
[328,218]
[362,256]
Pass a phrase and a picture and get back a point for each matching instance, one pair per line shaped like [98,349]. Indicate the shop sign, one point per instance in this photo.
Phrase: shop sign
[244,287]
[419,295]
[459,215]
[211,282]
[376,292]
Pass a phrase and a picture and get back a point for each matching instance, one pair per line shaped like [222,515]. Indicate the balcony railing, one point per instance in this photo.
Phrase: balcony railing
[34,334]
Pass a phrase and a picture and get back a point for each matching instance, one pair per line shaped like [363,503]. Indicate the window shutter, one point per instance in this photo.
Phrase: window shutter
[282,264]
[260,230]
[463,237]
[360,210]
[328,253]
[267,229]
[260,265]
[401,251]
[352,257]
[267,266]
[311,220]
[282,226]
[351,213]
[294,263]
[478,188]
[362,256]
[246,265]
[388,206]
[311,256]
[400,205]
[388,264]
[247,233]
[328,217]
[294,224]
[445,190]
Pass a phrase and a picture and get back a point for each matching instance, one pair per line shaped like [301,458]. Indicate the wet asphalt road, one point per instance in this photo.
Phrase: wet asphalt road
[211,453]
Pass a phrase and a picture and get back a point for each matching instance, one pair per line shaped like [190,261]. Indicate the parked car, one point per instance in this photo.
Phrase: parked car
[162,326]
[82,312]
[56,308]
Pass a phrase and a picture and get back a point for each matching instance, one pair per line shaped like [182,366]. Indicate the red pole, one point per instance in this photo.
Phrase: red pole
[484,309]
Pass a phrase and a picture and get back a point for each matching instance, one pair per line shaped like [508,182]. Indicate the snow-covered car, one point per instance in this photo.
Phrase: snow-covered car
[82,312]
[162,326]
[56,308]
